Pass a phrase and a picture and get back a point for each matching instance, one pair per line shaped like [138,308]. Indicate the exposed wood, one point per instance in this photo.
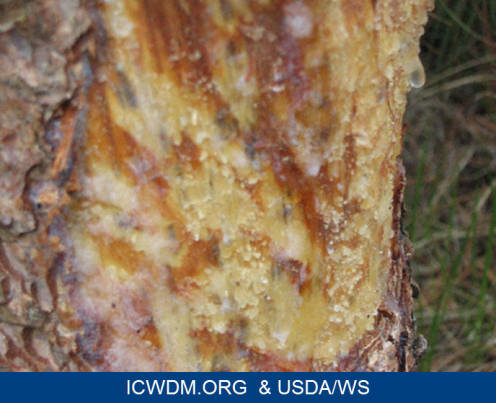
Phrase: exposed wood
[206,185]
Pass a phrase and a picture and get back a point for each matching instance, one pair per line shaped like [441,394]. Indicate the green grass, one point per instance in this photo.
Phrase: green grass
[450,156]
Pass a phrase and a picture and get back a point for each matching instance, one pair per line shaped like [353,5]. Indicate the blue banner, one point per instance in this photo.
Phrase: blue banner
[244,387]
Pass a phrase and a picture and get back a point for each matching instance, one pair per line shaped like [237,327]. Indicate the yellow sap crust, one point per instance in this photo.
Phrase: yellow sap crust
[237,180]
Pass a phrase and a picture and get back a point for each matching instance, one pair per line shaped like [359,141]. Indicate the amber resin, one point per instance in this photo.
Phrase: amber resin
[236,190]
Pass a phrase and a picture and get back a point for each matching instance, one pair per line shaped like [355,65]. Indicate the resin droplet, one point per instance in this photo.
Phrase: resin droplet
[417,74]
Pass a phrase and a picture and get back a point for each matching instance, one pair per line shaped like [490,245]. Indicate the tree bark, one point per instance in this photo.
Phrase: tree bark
[205,185]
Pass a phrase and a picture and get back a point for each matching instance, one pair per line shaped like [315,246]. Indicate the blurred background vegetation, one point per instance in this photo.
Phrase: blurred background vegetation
[450,156]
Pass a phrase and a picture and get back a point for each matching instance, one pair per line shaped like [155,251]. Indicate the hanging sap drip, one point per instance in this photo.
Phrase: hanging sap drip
[412,66]
[417,74]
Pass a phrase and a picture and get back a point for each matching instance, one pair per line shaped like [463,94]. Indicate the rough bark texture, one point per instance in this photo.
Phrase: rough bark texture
[205,185]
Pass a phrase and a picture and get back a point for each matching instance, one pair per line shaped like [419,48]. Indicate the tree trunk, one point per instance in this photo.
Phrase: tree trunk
[205,185]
